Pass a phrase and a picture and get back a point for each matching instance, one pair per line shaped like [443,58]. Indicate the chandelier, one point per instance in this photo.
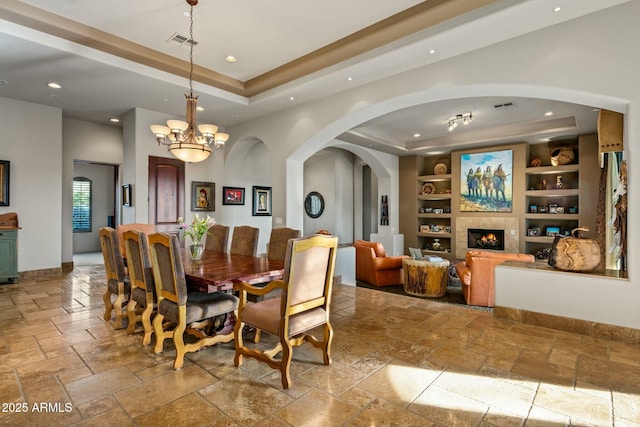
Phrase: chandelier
[181,137]
[464,118]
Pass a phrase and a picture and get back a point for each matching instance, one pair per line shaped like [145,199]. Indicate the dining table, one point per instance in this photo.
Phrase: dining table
[218,271]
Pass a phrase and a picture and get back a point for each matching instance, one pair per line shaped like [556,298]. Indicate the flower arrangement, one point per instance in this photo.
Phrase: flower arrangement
[197,229]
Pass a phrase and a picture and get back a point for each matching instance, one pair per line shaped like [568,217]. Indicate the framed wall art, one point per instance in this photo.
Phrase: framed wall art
[233,195]
[203,196]
[4,182]
[126,195]
[261,201]
[486,183]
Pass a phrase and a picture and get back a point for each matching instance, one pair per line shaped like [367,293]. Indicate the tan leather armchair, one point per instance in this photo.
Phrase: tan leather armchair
[373,266]
[477,273]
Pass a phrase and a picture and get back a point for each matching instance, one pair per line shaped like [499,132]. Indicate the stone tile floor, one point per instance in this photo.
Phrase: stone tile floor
[396,361]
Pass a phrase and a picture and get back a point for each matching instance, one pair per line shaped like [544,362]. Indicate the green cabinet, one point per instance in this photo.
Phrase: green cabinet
[8,255]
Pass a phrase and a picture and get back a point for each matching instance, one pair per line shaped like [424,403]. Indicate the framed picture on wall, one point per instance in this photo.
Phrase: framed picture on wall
[261,201]
[486,181]
[4,182]
[203,196]
[126,195]
[232,196]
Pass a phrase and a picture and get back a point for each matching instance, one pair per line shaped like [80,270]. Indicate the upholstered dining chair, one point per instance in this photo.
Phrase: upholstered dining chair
[244,240]
[277,246]
[143,290]
[145,228]
[191,312]
[217,238]
[118,285]
[302,306]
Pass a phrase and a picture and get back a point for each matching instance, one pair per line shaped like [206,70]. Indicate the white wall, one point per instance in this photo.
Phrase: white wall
[330,173]
[86,142]
[32,142]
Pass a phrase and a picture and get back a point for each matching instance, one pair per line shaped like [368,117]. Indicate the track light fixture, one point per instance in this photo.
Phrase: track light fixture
[464,118]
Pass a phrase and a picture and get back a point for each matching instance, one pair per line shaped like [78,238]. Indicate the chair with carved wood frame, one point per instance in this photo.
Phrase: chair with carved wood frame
[302,306]
[244,240]
[217,238]
[117,280]
[143,290]
[192,312]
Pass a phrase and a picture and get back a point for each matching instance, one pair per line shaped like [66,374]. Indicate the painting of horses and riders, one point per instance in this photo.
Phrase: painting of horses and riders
[486,183]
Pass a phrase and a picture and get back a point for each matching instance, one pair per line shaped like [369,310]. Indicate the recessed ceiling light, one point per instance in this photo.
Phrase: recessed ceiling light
[230,58]
[416,135]
[186,13]
[350,78]
[199,108]
[54,85]
[557,9]
[432,51]
[114,120]
[549,113]
[291,98]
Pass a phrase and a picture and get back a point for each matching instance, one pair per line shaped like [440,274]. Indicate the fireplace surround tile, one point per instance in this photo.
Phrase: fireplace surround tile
[510,225]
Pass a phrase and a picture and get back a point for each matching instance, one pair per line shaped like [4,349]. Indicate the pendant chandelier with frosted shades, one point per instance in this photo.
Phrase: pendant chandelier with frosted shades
[186,140]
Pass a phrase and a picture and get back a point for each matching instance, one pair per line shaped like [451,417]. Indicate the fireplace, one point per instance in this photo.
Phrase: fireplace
[479,238]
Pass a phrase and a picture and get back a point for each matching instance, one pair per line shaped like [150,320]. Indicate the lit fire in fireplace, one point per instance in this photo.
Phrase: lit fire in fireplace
[488,240]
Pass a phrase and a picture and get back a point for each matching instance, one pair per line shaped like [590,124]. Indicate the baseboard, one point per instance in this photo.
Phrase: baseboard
[39,274]
[567,324]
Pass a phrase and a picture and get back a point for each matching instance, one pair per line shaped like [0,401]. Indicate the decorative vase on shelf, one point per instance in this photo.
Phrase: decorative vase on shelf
[196,250]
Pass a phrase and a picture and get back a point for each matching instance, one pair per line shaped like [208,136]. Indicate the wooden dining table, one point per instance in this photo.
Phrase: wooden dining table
[218,271]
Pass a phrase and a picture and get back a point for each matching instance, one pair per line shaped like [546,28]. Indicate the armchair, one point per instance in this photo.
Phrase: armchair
[477,274]
[373,266]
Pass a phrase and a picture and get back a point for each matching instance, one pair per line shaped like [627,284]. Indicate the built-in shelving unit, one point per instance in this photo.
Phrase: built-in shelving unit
[557,197]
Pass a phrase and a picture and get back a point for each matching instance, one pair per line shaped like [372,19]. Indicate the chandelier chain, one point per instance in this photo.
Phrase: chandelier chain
[191,51]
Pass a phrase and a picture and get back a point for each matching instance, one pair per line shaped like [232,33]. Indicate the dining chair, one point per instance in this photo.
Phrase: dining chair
[277,246]
[244,240]
[191,312]
[302,306]
[217,238]
[118,284]
[145,228]
[143,290]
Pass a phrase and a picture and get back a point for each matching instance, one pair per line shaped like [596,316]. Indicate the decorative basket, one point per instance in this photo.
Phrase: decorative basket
[562,156]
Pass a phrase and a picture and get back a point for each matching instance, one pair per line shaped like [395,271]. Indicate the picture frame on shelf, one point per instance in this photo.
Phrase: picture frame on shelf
[424,228]
[233,195]
[261,201]
[203,196]
[560,210]
[533,232]
[551,231]
[573,210]
[533,209]
[543,209]
[553,209]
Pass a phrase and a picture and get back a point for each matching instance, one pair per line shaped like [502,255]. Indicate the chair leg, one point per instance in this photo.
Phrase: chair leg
[328,338]
[256,338]
[107,305]
[146,323]
[237,340]
[160,335]
[285,363]
[178,341]
[131,315]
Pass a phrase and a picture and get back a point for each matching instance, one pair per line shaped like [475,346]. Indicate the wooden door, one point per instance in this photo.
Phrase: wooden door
[166,193]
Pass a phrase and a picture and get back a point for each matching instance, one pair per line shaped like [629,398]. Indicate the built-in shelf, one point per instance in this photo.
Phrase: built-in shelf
[443,196]
[558,217]
[434,178]
[436,234]
[434,216]
[565,192]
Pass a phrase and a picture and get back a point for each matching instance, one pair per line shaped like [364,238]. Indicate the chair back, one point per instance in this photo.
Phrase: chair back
[145,228]
[277,246]
[113,261]
[139,261]
[309,269]
[168,272]
[217,238]
[244,240]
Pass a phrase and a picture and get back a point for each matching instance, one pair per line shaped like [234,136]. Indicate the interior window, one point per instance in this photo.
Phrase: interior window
[81,205]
